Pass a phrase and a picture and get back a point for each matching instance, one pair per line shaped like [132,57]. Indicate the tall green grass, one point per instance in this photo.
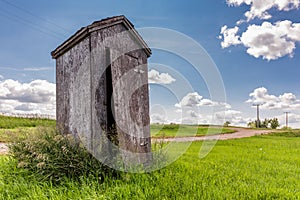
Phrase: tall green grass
[49,155]
[261,167]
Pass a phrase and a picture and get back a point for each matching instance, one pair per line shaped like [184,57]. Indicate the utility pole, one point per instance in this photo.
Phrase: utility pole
[286,119]
[257,114]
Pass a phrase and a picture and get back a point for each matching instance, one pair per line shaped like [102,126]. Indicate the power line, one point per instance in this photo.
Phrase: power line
[33,26]
[45,30]
[36,16]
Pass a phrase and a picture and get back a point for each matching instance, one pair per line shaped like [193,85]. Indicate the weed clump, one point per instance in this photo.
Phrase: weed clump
[50,155]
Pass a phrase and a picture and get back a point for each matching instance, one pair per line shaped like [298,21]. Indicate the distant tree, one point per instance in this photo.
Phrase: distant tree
[259,124]
[274,123]
[251,124]
[265,123]
[226,124]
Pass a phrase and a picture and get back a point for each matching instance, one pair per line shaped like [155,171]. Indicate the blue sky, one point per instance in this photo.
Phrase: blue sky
[259,55]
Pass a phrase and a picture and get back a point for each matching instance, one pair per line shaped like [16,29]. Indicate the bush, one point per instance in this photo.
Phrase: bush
[50,155]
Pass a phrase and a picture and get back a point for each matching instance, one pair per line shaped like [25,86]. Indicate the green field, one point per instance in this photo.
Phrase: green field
[17,122]
[264,167]
[18,126]
[172,130]
[260,167]
[12,127]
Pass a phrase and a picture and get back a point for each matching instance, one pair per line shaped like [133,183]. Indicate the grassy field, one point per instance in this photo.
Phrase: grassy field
[260,167]
[17,122]
[12,127]
[172,130]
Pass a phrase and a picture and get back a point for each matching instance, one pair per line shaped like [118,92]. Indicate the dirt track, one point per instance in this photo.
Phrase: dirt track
[240,133]
[3,148]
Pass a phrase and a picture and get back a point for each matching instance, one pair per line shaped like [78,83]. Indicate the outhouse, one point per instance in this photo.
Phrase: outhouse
[102,92]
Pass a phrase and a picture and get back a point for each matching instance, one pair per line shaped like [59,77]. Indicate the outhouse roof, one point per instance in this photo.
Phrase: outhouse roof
[97,25]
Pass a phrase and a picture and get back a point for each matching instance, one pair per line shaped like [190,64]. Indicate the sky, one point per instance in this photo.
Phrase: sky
[253,45]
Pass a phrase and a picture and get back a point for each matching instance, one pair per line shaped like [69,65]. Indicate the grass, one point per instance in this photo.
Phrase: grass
[10,135]
[157,130]
[172,130]
[288,133]
[15,127]
[261,167]
[7,122]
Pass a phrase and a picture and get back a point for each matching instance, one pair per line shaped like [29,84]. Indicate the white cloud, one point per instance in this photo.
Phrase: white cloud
[271,41]
[160,78]
[196,100]
[260,8]
[293,120]
[37,96]
[233,116]
[266,40]
[158,118]
[287,101]
[1,77]
[193,114]
[190,100]
[229,36]
[38,68]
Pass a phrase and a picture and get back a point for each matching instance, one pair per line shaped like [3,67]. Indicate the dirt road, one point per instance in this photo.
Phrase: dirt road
[3,148]
[240,133]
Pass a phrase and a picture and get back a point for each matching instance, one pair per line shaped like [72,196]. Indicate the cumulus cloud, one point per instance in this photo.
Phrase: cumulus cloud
[193,114]
[37,96]
[233,116]
[270,41]
[287,101]
[293,120]
[260,8]
[196,100]
[158,118]
[229,36]
[267,40]
[160,78]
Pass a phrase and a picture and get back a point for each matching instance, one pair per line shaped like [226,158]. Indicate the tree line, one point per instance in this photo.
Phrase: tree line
[267,123]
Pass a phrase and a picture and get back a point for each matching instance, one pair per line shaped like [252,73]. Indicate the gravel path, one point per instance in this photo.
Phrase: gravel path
[3,148]
[240,133]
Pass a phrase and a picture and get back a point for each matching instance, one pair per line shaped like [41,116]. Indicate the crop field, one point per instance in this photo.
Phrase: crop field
[260,167]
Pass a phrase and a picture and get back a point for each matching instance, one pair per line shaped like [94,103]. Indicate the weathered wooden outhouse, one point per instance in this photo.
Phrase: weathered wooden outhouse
[102,88]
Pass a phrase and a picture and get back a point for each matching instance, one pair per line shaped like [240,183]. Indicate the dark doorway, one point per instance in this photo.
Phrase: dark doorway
[112,134]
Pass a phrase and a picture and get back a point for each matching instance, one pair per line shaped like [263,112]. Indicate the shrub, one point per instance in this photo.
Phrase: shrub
[50,155]
[274,123]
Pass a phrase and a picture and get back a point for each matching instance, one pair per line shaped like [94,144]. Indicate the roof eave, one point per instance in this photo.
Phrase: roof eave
[98,25]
